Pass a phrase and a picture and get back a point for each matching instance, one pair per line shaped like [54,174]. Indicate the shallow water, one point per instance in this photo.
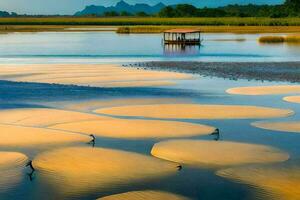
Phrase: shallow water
[191,181]
[107,47]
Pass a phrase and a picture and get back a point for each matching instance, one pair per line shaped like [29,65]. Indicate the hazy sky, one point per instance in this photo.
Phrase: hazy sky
[71,6]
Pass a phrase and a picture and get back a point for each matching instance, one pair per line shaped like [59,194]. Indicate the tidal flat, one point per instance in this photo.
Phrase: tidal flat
[95,125]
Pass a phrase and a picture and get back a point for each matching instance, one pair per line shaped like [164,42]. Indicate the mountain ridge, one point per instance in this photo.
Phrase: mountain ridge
[121,6]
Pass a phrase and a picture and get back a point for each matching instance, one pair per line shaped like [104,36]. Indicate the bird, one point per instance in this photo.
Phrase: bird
[29,164]
[93,138]
[179,167]
[217,134]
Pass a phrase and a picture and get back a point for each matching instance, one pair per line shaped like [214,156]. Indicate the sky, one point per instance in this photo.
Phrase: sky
[72,6]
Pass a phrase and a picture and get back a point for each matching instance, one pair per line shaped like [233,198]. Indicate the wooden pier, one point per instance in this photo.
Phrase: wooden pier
[182,36]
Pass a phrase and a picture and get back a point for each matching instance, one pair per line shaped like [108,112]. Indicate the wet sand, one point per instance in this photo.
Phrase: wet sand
[145,195]
[196,111]
[76,170]
[11,166]
[280,181]
[101,75]
[291,126]
[134,129]
[269,71]
[216,153]
[265,90]
[8,159]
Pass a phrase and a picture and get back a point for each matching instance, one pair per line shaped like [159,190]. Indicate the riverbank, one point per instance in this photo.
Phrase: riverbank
[147,29]
[265,71]
[150,24]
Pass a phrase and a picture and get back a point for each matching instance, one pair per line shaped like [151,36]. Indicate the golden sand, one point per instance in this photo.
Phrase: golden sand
[124,128]
[145,195]
[265,90]
[12,135]
[11,165]
[216,153]
[103,75]
[292,99]
[195,111]
[282,182]
[93,104]
[82,169]
[43,117]
[291,126]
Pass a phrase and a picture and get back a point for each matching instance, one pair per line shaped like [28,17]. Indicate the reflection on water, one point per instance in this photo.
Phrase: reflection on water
[181,50]
[103,47]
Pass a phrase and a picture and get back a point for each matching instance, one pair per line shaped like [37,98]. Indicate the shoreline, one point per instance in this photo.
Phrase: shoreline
[259,71]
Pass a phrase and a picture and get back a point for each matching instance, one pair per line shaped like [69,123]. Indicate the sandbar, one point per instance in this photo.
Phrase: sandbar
[280,181]
[20,136]
[145,195]
[216,153]
[43,117]
[98,75]
[290,126]
[265,90]
[292,99]
[132,129]
[196,111]
[84,169]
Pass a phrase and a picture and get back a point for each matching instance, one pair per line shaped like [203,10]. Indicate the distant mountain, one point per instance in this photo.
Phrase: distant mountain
[7,14]
[121,6]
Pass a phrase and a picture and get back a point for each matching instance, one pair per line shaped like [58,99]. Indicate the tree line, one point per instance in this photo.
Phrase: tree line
[291,8]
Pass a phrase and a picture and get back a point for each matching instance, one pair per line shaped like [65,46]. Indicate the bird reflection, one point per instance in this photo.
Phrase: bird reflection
[31,175]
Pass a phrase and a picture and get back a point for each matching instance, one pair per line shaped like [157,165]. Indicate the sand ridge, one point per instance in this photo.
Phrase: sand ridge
[21,136]
[281,181]
[136,129]
[145,195]
[265,90]
[292,99]
[85,169]
[290,126]
[43,117]
[98,103]
[196,111]
[99,75]
[216,153]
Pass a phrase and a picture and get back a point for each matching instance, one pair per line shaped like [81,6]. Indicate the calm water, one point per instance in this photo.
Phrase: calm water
[109,47]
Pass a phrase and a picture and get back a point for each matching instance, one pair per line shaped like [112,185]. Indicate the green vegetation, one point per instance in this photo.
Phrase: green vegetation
[271,39]
[292,38]
[121,21]
[212,29]
[280,39]
[291,8]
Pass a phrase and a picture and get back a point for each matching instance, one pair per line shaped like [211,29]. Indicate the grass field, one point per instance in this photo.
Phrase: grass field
[152,24]
[119,21]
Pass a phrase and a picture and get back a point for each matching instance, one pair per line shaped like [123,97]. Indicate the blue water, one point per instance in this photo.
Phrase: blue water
[101,47]
[106,47]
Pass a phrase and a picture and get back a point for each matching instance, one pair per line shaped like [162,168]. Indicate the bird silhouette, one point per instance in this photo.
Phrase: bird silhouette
[29,164]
